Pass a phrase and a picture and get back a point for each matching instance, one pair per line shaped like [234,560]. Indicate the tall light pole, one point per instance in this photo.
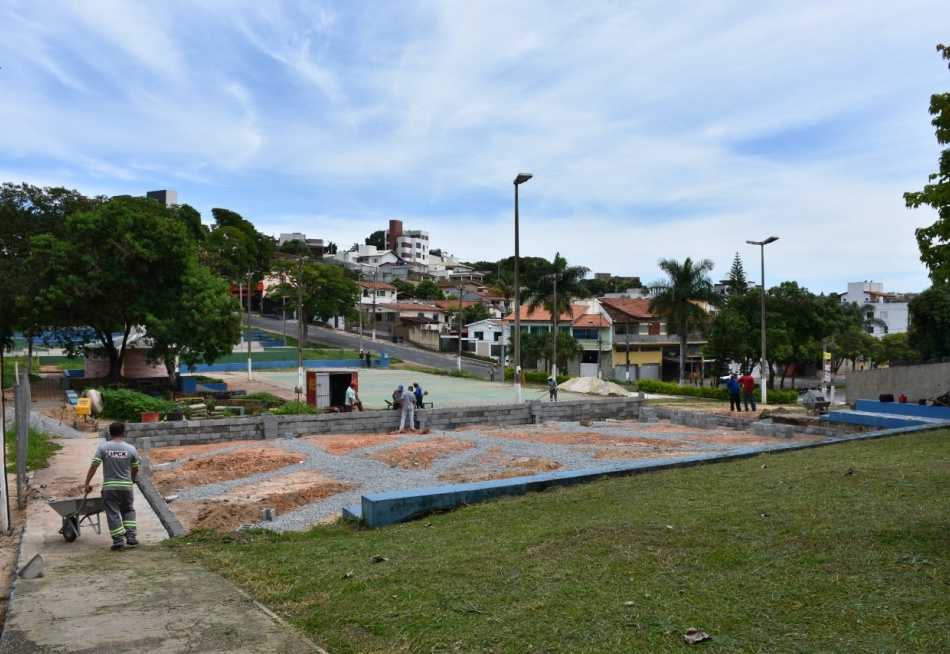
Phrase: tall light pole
[554,316]
[359,306]
[459,359]
[250,373]
[762,244]
[300,331]
[520,179]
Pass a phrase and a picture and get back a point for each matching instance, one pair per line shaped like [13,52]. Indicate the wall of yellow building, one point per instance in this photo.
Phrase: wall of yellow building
[636,357]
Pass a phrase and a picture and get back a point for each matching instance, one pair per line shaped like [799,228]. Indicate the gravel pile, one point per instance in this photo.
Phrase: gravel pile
[44,425]
[377,477]
[593,386]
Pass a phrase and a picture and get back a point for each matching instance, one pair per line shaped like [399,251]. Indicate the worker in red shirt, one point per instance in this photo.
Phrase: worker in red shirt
[748,386]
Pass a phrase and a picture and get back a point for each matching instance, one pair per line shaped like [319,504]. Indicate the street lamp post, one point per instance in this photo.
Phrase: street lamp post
[300,325]
[250,373]
[359,306]
[520,179]
[459,358]
[554,317]
[762,244]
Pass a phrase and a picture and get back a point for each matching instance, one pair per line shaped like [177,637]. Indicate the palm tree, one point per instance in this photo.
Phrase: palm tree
[552,285]
[678,297]
[504,286]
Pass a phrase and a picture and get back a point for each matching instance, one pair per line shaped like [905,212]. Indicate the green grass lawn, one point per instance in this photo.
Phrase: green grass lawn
[836,549]
[40,448]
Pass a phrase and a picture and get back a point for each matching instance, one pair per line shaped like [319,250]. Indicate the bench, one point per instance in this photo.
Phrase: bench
[425,405]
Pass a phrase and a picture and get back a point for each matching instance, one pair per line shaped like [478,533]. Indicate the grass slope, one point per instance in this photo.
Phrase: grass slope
[835,549]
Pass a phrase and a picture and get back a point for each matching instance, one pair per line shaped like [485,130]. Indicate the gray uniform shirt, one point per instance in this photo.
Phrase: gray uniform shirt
[117,459]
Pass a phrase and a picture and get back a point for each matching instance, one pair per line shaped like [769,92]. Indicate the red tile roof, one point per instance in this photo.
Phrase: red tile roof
[543,315]
[382,286]
[619,307]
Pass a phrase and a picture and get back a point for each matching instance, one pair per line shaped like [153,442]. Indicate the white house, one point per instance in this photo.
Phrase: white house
[487,337]
[891,308]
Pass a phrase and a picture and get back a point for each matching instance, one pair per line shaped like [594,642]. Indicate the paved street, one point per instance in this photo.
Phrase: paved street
[406,352]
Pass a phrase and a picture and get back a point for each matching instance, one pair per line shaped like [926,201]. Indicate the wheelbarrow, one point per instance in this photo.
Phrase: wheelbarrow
[75,511]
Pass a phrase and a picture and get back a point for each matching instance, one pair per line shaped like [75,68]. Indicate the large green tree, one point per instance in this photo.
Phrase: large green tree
[204,326]
[26,211]
[552,285]
[377,238]
[934,241]
[896,348]
[929,320]
[429,290]
[738,283]
[732,335]
[234,249]
[680,299]
[115,266]
[328,290]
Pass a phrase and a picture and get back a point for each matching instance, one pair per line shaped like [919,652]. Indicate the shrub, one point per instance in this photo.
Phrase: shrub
[294,408]
[269,398]
[128,406]
[534,376]
[710,392]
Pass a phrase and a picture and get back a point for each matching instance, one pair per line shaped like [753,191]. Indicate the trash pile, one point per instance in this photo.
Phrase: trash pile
[593,386]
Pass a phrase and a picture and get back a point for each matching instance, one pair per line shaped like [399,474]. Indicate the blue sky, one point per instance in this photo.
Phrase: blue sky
[654,129]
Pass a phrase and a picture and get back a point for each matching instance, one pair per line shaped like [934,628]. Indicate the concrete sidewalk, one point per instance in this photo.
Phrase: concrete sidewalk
[144,599]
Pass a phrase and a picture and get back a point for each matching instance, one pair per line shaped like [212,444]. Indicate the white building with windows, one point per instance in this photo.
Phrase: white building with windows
[410,245]
[891,308]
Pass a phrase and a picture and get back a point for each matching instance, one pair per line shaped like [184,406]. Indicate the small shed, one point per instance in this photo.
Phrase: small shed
[327,388]
[134,365]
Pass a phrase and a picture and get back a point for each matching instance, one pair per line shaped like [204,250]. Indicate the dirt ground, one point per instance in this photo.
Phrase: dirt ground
[198,465]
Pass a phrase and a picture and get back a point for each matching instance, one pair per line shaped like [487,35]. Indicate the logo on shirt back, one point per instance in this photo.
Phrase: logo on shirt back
[117,454]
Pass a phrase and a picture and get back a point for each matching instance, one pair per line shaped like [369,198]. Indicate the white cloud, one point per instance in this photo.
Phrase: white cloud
[654,129]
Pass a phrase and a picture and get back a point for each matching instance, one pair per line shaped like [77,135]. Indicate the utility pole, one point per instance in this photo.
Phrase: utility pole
[627,330]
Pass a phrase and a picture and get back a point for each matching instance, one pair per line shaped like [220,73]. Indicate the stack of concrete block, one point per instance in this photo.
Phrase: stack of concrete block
[762,428]
[694,419]
[648,415]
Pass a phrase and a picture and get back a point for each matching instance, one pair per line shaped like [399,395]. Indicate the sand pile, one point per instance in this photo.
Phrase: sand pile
[593,386]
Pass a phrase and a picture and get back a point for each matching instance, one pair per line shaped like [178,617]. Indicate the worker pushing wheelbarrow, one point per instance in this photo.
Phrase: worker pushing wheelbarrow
[120,465]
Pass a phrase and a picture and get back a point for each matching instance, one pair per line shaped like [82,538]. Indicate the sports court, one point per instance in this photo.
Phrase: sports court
[376,386]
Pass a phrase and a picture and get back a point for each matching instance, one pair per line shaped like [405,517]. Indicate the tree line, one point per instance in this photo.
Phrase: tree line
[80,270]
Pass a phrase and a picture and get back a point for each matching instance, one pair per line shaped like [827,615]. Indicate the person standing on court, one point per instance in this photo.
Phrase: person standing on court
[352,399]
[734,388]
[748,386]
[552,389]
[397,397]
[408,408]
[120,466]
[420,394]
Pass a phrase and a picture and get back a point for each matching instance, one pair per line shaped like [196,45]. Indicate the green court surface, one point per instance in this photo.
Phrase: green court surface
[377,386]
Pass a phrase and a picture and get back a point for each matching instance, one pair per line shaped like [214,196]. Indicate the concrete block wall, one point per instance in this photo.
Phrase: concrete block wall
[201,432]
[916,382]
